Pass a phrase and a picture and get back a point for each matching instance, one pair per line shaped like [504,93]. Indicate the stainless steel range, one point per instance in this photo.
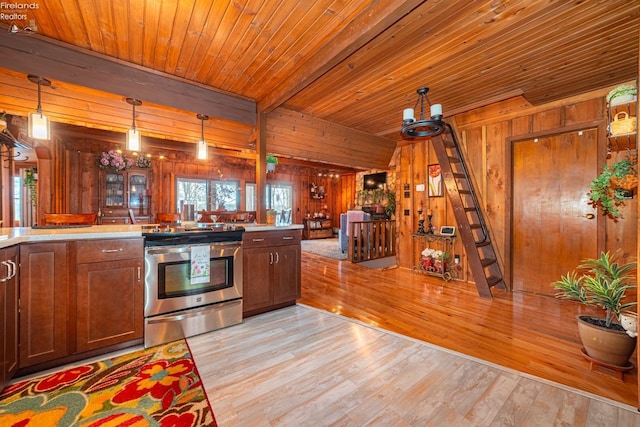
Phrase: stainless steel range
[193,280]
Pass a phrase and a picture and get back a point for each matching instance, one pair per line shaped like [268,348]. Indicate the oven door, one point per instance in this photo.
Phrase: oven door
[168,284]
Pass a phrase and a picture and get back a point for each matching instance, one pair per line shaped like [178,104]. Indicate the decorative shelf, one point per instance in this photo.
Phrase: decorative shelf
[626,141]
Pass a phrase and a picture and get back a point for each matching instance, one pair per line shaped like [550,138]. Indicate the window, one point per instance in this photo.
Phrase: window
[279,197]
[208,195]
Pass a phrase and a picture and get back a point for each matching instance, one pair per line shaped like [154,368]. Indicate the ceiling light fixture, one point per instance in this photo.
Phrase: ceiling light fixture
[134,142]
[201,146]
[422,128]
[39,126]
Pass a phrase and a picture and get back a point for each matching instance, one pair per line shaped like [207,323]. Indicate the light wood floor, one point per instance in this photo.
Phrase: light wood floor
[533,334]
[300,366]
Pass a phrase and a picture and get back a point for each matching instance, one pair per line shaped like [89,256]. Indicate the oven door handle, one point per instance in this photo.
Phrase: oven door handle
[195,313]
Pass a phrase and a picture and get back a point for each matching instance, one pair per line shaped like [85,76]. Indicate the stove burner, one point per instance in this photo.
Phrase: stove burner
[168,235]
[176,228]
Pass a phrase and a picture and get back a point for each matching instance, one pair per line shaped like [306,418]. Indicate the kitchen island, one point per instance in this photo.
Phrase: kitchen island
[81,289]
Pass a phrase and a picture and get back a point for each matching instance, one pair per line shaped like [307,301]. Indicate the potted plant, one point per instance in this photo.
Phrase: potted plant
[272,161]
[609,189]
[31,182]
[602,283]
[621,95]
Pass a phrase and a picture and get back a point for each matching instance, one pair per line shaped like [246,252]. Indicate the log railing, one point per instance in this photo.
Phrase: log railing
[371,240]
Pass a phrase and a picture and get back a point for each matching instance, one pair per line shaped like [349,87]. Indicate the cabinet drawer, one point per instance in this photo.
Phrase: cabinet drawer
[271,238]
[114,220]
[108,250]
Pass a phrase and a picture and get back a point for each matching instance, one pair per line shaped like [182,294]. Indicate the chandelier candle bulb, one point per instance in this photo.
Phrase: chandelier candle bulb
[436,110]
[407,114]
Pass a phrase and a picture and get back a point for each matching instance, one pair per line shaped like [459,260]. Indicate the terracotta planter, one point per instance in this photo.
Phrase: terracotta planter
[613,347]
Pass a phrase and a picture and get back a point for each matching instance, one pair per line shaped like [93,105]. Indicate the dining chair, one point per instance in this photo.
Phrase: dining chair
[70,218]
[167,217]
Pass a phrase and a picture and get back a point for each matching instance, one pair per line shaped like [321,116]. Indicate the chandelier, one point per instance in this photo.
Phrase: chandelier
[422,127]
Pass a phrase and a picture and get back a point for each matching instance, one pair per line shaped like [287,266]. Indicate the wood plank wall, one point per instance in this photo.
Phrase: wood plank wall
[485,134]
[69,180]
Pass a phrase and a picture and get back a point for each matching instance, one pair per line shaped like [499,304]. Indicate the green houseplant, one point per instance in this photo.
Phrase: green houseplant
[608,190]
[602,283]
[621,94]
[31,181]
[272,161]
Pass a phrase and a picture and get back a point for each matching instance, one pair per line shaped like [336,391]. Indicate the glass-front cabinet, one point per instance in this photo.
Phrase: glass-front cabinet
[125,196]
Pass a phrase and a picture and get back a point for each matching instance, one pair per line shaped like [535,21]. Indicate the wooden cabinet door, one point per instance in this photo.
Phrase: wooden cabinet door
[287,274]
[8,314]
[44,301]
[110,303]
[256,271]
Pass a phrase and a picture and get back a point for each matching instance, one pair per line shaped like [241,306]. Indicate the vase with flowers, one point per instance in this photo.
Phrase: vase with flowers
[115,161]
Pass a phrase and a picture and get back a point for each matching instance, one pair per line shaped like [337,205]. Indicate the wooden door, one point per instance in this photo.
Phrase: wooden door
[110,302]
[256,270]
[553,225]
[44,303]
[286,282]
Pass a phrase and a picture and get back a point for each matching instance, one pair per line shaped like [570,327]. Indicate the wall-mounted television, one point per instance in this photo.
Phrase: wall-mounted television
[375,180]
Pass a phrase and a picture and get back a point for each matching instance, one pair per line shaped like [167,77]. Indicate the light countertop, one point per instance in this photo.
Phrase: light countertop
[14,235]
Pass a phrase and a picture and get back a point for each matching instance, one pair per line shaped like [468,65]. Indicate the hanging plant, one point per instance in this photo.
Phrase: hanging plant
[30,182]
[609,189]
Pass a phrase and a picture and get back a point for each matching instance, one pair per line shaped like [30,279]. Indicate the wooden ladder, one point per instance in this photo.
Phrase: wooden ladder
[473,231]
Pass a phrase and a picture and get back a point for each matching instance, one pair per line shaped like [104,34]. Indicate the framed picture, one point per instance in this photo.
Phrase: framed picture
[435,180]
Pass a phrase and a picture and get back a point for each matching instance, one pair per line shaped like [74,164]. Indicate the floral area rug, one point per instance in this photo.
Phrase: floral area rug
[159,386]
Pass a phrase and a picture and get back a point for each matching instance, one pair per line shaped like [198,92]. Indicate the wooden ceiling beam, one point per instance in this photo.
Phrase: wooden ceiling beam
[372,21]
[59,61]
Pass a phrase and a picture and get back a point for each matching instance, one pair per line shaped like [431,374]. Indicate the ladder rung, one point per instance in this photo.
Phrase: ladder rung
[459,175]
[464,191]
[492,281]
[483,244]
[454,159]
[475,226]
[488,261]
[470,209]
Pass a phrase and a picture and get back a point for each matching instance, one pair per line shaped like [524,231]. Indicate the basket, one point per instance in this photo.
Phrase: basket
[622,124]
[628,182]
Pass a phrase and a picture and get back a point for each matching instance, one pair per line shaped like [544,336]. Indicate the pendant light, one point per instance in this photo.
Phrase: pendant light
[39,126]
[134,142]
[201,147]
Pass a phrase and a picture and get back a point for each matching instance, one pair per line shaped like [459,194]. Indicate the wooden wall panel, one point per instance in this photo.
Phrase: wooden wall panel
[484,135]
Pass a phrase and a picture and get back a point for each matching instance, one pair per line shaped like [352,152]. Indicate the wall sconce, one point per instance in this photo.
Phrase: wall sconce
[134,142]
[39,126]
[201,146]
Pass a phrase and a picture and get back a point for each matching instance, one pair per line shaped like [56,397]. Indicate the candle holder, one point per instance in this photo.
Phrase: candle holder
[430,226]
[421,226]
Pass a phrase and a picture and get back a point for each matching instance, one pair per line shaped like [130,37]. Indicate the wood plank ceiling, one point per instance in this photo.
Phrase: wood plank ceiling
[353,64]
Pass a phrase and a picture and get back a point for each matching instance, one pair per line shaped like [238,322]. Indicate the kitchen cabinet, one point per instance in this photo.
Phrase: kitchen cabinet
[122,191]
[271,270]
[78,299]
[44,302]
[8,314]
[109,292]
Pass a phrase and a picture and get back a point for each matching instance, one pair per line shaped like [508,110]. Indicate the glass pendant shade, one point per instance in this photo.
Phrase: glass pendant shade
[39,126]
[202,150]
[133,140]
